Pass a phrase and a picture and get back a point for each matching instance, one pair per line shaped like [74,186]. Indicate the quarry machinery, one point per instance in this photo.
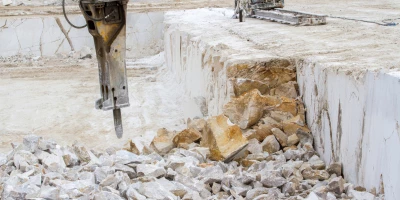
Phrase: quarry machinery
[272,10]
[106,22]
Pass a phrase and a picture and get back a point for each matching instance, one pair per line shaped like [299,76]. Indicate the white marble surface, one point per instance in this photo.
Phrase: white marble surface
[42,36]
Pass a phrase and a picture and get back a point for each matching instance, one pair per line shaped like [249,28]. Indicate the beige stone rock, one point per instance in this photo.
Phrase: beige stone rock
[197,124]
[223,138]
[293,140]
[286,89]
[291,126]
[187,136]
[287,105]
[262,131]
[280,116]
[280,136]
[270,144]
[241,86]
[273,72]
[247,109]
[254,146]
[163,141]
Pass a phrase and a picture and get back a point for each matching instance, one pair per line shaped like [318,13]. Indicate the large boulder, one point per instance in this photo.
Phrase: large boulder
[223,138]
[247,109]
[187,136]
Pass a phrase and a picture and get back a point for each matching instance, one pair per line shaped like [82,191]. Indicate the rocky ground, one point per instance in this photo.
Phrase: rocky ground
[259,148]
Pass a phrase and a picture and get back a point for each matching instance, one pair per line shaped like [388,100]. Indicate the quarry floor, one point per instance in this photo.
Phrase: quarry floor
[55,99]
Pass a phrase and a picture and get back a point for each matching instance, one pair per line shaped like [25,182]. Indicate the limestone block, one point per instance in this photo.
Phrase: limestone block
[223,138]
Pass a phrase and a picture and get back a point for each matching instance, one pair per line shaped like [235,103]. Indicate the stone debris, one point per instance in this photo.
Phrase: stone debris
[260,148]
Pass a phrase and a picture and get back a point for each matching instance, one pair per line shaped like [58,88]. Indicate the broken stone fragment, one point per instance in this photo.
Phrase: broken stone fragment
[286,89]
[187,136]
[241,86]
[223,138]
[216,187]
[139,145]
[289,188]
[31,142]
[272,178]
[261,132]
[316,162]
[104,195]
[293,140]
[315,174]
[291,126]
[81,152]
[198,124]
[336,185]
[54,163]
[154,190]
[335,168]
[254,147]
[280,136]
[102,172]
[126,157]
[127,170]
[354,194]
[211,174]
[304,136]
[23,159]
[270,144]
[253,193]
[248,108]
[69,157]
[150,170]
[163,141]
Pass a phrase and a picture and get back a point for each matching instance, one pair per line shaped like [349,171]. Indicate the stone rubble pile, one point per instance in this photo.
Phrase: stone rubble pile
[259,148]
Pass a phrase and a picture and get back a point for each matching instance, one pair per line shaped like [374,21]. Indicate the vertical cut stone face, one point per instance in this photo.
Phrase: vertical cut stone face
[223,138]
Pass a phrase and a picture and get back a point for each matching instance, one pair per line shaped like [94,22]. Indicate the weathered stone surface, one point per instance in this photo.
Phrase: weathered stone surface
[272,178]
[163,141]
[216,188]
[154,190]
[102,172]
[304,136]
[270,144]
[187,136]
[150,170]
[289,188]
[133,194]
[293,140]
[81,152]
[292,126]
[254,147]
[286,89]
[211,174]
[253,193]
[31,142]
[335,168]
[103,195]
[126,157]
[241,86]
[336,185]
[280,136]
[248,108]
[198,124]
[223,138]
[54,163]
[69,157]
[23,159]
[315,174]
[316,162]
[361,195]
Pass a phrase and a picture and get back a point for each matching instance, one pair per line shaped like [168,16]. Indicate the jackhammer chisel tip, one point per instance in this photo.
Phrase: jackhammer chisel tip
[118,122]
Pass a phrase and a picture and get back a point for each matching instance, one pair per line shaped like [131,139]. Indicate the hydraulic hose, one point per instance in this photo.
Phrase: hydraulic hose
[66,18]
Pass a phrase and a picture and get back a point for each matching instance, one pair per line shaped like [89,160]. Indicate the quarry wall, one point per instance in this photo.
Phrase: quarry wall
[49,36]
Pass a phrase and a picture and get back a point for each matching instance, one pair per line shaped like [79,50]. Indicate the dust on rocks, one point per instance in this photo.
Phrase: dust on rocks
[259,148]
